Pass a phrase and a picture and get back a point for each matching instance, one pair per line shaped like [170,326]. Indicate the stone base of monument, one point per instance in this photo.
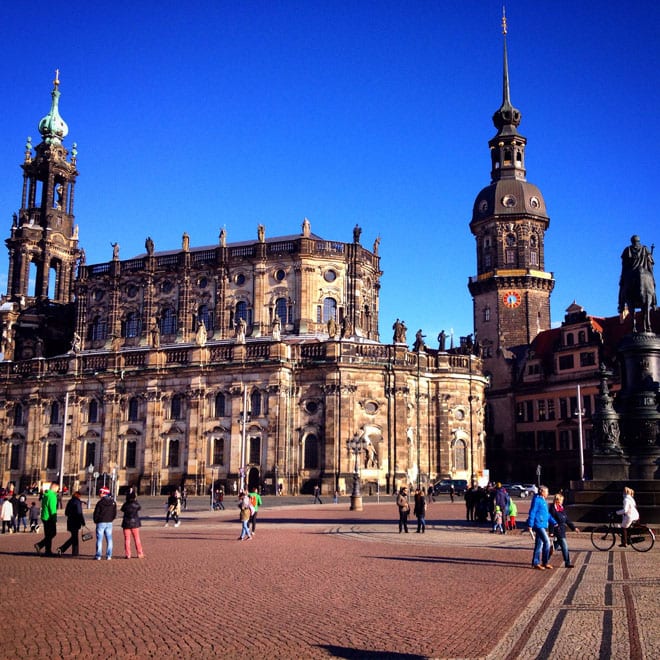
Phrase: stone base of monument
[593,501]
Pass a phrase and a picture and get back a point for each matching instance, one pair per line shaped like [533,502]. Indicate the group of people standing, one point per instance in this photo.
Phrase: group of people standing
[105,512]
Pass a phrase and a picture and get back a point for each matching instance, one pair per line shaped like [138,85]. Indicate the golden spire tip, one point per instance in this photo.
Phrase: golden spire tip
[503,19]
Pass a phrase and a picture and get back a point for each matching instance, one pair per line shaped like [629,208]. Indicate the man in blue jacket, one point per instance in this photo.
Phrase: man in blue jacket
[537,521]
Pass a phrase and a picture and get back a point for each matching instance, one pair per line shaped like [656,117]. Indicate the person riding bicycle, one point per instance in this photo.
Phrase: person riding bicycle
[629,513]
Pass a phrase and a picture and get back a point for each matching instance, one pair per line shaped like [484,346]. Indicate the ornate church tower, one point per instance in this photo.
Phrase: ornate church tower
[511,291]
[43,246]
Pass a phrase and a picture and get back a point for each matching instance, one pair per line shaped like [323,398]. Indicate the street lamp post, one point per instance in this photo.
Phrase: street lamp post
[355,446]
[90,471]
[212,489]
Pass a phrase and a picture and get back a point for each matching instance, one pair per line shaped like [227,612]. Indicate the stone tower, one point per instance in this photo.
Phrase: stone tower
[43,246]
[511,291]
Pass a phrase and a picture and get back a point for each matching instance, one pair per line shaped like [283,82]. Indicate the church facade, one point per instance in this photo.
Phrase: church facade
[256,362]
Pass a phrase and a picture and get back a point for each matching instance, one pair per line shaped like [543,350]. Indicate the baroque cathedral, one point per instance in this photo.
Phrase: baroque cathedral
[256,362]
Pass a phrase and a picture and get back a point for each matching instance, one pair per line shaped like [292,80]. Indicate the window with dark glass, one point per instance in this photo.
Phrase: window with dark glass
[281,310]
[51,456]
[565,362]
[132,325]
[255,403]
[131,454]
[90,454]
[168,322]
[551,409]
[219,405]
[460,455]
[205,316]
[133,409]
[98,329]
[587,359]
[18,415]
[541,405]
[54,413]
[173,454]
[255,451]
[311,455]
[15,457]
[218,451]
[93,412]
[329,309]
[564,440]
[176,407]
[563,408]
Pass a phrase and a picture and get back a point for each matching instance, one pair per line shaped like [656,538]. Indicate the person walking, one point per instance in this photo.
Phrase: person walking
[404,509]
[49,520]
[22,513]
[317,495]
[244,516]
[497,521]
[513,512]
[501,498]
[75,520]
[559,514]
[537,521]
[35,512]
[105,512]
[420,511]
[629,512]
[173,508]
[6,513]
[131,524]
[256,502]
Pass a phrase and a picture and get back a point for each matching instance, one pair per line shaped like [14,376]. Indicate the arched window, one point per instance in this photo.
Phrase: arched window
[569,339]
[582,337]
[281,310]
[486,314]
[133,409]
[176,407]
[173,453]
[241,311]
[311,454]
[255,403]
[460,455]
[54,413]
[131,454]
[132,325]
[219,407]
[329,310]
[18,415]
[15,457]
[205,316]
[218,451]
[168,322]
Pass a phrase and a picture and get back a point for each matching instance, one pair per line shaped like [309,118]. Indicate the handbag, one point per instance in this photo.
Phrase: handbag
[87,535]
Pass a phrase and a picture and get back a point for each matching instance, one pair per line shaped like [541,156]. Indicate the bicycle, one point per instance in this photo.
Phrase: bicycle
[640,537]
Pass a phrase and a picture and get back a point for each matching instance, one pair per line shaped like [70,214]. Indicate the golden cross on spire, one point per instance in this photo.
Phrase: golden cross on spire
[503,19]
[57,77]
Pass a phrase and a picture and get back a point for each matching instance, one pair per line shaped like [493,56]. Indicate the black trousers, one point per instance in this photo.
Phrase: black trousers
[50,531]
[71,542]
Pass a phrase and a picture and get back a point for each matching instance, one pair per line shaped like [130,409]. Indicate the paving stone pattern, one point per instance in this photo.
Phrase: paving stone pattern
[320,581]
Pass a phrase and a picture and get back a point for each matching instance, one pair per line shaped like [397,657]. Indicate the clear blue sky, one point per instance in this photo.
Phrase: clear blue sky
[191,116]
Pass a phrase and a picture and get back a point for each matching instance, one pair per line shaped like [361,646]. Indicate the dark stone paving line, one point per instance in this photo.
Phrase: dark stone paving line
[633,631]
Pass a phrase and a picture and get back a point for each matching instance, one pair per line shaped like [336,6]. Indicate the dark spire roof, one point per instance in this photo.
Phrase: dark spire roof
[507,118]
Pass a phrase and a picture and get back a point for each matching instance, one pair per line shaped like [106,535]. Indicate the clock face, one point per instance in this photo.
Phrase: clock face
[511,299]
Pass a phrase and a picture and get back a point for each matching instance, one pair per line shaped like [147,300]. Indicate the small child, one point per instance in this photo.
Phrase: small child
[513,512]
[497,521]
[34,517]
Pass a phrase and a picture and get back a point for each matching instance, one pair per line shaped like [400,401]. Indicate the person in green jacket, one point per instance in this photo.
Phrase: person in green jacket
[49,520]
[255,501]
[513,512]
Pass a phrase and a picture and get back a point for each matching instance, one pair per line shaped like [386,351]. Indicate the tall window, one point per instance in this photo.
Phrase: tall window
[329,309]
[133,409]
[219,408]
[168,322]
[311,455]
[132,325]
[55,413]
[15,457]
[98,328]
[173,454]
[90,454]
[131,454]
[460,455]
[93,412]
[281,310]
[255,451]
[255,403]
[205,316]
[18,415]
[176,407]
[218,451]
[51,456]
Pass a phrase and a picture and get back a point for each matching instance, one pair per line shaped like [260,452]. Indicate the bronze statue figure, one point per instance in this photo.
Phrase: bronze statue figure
[637,284]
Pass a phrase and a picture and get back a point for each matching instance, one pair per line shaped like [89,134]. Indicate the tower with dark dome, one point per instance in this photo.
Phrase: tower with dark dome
[511,291]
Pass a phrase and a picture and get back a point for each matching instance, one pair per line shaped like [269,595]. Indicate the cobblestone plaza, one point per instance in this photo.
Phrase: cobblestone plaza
[320,581]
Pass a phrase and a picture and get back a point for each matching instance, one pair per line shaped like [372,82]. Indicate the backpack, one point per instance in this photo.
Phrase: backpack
[253,501]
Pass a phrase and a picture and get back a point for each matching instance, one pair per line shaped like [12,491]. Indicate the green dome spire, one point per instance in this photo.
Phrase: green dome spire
[52,127]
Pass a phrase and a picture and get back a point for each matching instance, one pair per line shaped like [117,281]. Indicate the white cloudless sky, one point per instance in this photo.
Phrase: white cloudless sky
[193,116]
